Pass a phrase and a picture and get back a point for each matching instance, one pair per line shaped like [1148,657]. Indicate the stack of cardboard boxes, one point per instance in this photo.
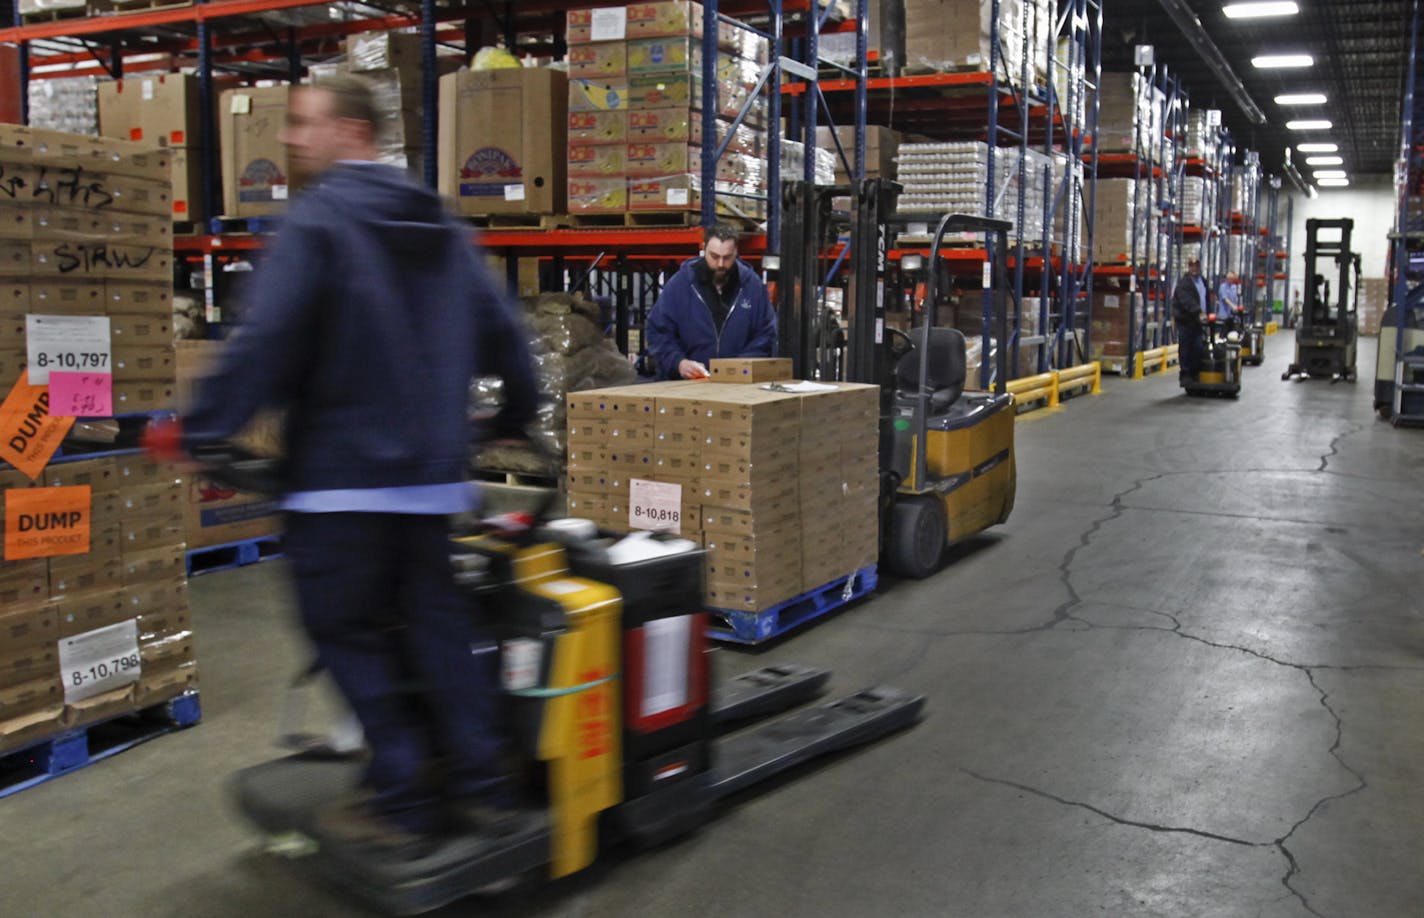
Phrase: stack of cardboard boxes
[1373,301]
[255,176]
[1131,116]
[635,116]
[1117,215]
[160,111]
[948,35]
[881,147]
[93,602]
[1117,314]
[780,487]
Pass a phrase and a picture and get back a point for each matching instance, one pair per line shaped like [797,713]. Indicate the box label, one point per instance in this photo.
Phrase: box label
[74,343]
[655,505]
[29,433]
[666,649]
[43,522]
[514,192]
[100,660]
[609,24]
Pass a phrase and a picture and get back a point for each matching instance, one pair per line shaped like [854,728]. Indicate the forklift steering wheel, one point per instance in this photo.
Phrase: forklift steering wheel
[893,337]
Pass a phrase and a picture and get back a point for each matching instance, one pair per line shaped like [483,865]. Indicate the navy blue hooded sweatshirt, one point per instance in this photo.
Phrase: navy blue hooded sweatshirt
[366,320]
[680,325]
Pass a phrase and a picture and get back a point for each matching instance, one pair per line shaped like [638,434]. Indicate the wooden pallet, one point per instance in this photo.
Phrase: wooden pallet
[521,221]
[55,15]
[741,627]
[120,7]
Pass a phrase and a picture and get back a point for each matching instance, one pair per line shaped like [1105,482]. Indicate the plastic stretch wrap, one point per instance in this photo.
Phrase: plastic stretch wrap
[69,104]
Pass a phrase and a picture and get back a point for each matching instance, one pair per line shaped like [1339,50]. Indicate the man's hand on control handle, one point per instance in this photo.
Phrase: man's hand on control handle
[691,369]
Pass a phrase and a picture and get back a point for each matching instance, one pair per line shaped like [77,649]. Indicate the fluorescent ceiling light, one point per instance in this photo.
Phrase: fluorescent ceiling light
[1316,125]
[1323,161]
[1260,10]
[1273,61]
[1317,147]
[1330,173]
[1301,98]
[1332,182]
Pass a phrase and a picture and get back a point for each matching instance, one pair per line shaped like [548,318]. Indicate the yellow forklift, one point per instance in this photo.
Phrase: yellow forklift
[946,451]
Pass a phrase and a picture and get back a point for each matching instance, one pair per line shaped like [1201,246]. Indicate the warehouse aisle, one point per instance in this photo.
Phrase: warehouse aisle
[1186,679]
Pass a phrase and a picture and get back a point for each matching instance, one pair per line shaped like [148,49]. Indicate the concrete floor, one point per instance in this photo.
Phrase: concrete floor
[1186,679]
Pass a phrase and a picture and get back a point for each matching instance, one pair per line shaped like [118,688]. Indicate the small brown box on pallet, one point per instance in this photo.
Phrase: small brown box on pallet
[27,662]
[30,696]
[585,455]
[157,111]
[156,687]
[78,612]
[155,599]
[254,159]
[23,582]
[143,396]
[772,513]
[598,60]
[138,297]
[152,530]
[151,330]
[749,369]
[881,147]
[97,474]
[756,598]
[588,505]
[133,363]
[216,514]
[97,574]
[598,127]
[590,432]
[153,565]
[98,261]
[487,169]
[165,496]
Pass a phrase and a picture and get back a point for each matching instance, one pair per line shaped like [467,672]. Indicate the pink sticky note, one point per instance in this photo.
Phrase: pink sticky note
[81,395]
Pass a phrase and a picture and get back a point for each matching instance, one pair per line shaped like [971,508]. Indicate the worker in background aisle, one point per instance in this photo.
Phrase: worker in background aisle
[1189,303]
[1228,297]
[714,306]
[367,320]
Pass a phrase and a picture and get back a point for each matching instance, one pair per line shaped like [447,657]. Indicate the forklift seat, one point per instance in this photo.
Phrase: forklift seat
[944,381]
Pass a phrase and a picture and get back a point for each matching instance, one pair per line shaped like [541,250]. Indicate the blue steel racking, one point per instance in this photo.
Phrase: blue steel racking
[1406,255]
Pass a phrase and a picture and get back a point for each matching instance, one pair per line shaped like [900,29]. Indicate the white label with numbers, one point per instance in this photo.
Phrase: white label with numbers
[279,192]
[609,24]
[514,192]
[100,660]
[667,645]
[67,343]
[655,505]
[988,281]
[677,197]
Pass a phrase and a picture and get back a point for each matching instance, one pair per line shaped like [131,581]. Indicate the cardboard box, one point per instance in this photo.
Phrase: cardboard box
[749,369]
[142,397]
[606,95]
[162,685]
[599,127]
[157,529]
[598,195]
[598,60]
[28,697]
[138,330]
[87,576]
[79,612]
[101,260]
[153,565]
[138,297]
[30,661]
[882,145]
[368,51]
[158,111]
[97,474]
[597,161]
[143,363]
[187,187]
[254,160]
[484,166]
[216,514]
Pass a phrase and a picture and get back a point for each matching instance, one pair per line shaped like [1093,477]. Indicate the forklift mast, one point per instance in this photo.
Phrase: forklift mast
[1329,312]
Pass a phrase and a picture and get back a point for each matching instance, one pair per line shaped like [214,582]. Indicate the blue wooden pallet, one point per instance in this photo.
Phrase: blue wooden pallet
[74,749]
[758,627]
[233,554]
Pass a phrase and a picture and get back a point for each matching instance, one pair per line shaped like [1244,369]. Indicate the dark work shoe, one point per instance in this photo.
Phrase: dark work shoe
[352,824]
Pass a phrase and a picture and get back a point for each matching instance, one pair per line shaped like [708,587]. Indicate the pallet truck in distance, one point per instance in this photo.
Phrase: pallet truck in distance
[613,714]
[1220,369]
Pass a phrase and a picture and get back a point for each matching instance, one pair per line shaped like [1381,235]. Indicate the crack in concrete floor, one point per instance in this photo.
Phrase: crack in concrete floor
[1063,613]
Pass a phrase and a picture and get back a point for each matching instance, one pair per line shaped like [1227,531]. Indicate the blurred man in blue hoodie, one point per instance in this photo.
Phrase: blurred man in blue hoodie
[366,321]
[714,306]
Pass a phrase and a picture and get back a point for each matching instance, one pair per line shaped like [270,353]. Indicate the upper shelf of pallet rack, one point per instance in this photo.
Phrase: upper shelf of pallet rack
[229,9]
[660,242]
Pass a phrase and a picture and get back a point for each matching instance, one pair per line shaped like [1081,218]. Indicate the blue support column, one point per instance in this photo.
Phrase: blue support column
[207,129]
[24,48]
[862,51]
[709,111]
[773,165]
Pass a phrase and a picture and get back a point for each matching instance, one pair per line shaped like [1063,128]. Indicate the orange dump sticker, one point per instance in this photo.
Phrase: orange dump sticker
[29,434]
[42,522]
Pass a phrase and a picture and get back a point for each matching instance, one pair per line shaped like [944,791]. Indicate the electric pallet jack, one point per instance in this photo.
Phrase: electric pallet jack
[616,724]
[946,453]
[1252,337]
[1220,369]
[1325,338]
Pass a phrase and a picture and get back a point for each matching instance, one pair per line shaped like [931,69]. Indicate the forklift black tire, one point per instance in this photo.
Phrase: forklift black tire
[917,536]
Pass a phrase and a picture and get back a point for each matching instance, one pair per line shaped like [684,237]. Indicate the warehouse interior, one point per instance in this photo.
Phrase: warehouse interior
[1048,595]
